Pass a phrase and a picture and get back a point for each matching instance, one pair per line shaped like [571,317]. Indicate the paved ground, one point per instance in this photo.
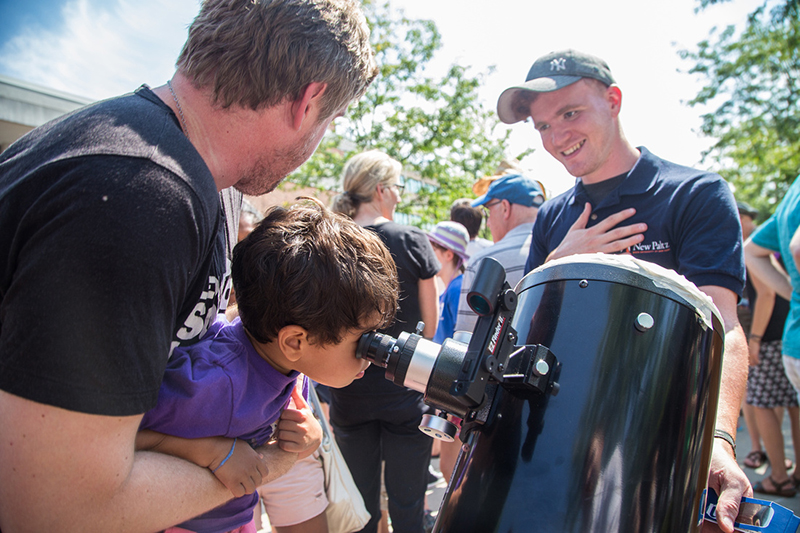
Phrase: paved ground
[436,491]
[743,448]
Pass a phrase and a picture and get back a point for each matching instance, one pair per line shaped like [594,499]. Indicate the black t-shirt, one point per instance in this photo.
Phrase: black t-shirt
[597,192]
[112,245]
[777,320]
[415,260]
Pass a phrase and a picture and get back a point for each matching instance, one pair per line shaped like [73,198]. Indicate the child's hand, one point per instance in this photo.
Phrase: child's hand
[298,430]
[241,473]
[238,466]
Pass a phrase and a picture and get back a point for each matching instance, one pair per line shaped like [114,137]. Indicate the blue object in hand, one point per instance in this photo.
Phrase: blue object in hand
[756,515]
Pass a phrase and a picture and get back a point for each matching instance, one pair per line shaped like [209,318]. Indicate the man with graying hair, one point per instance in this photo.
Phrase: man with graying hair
[511,204]
[678,217]
[114,240]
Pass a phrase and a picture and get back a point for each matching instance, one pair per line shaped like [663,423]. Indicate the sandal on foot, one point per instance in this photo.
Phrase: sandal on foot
[755,459]
[785,489]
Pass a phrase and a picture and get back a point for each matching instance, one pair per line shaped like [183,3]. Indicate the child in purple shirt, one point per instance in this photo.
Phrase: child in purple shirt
[308,284]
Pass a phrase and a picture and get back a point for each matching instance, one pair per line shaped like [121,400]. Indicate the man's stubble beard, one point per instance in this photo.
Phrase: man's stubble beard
[267,172]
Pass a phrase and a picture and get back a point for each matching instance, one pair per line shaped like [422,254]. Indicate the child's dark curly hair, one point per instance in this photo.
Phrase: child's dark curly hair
[306,266]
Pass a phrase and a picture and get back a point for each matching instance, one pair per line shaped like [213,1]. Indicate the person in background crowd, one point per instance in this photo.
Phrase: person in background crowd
[574,103]
[111,227]
[449,241]
[744,311]
[511,204]
[768,388]
[374,419]
[780,234]
[776,318]
[248,219]
[471,218]
[769,391]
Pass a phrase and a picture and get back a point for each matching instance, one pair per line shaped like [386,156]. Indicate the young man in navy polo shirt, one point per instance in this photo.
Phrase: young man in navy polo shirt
[675,216]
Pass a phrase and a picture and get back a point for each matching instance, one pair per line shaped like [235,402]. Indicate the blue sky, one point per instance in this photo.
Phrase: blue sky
[101,48]
[29,13]
[93,48]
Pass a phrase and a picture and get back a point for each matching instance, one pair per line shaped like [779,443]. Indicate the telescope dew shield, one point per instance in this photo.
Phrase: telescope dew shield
[489,278]
[626,444]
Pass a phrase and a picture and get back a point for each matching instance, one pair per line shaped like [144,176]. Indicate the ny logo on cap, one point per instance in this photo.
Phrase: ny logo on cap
[558,64]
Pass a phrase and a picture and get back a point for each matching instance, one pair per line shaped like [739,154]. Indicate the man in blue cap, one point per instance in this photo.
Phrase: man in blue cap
[680,218]
[511,204]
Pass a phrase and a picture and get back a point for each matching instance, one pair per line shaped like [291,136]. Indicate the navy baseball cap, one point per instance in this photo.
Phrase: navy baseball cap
[746,209]
[515,188]
[549,73]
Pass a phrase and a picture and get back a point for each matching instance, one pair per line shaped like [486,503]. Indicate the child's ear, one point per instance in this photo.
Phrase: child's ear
[292,341]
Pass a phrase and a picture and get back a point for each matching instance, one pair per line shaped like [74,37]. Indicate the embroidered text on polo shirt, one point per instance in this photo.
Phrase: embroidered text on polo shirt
[654,246]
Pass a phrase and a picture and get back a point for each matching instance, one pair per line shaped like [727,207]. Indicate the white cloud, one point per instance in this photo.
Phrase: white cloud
[101,50]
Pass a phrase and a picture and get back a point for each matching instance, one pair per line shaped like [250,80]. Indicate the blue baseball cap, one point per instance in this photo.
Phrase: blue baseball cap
[515,188]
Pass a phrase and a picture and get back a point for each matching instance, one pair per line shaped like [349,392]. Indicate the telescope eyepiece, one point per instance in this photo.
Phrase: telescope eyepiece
[376,348]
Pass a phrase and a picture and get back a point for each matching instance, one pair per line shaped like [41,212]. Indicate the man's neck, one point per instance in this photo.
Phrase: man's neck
[220,136]
[620,161]
[499,236]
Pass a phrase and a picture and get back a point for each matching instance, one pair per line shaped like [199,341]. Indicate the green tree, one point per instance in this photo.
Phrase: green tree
[435,126]
[751,87]
[787,8]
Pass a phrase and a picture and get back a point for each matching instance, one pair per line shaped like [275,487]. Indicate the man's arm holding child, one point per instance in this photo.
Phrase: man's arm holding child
[240,468]
[85,473]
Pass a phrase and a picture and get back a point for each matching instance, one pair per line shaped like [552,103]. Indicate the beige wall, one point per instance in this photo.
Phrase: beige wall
[23,106]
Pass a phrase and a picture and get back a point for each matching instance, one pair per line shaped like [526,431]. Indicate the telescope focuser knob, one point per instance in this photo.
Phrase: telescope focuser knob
[541,367]
[438,427]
